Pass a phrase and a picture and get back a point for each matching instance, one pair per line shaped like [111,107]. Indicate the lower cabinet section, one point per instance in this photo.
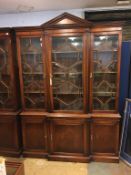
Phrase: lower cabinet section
[58,136]
[34,133]
[10,144]
[69,139]
[105,138]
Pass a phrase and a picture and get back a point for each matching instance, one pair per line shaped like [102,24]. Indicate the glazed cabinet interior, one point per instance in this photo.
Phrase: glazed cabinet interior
[69,86]
[9,97]
[105,63]
[31,68]
[67,65]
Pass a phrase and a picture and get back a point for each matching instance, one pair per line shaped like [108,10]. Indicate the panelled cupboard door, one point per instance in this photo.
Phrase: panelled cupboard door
[105,137]
[67,70]
[9,137]
[105,70]
[69,137]
[34,136]
[31,70]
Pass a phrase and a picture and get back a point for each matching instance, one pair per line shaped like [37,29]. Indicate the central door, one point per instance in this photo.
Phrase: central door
[67,64]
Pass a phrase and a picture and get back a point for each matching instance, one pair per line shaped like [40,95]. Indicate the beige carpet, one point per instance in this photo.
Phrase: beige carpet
[45,167]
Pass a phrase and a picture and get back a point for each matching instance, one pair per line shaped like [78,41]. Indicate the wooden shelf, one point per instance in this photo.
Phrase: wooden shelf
[66,52]
[104,93]
[31,53]
[35,73]
[113,50]
[70,73]
[105,72]
[34,92]
[68,93]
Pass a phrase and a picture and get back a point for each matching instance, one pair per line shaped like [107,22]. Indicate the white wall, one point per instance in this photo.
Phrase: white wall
[33,18]
[38,18]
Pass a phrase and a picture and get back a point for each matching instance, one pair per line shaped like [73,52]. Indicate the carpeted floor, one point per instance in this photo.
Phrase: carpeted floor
[45,167]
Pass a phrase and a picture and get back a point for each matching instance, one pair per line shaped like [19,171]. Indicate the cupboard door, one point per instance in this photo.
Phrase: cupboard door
[105,71]
[105,137]
[67,73]
[34,136]
[69,137]
[9,135]
[31,68]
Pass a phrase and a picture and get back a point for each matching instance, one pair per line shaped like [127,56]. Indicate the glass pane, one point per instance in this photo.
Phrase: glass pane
[105,55]
[106,42]
[67,73]
[32,67]
[6,93]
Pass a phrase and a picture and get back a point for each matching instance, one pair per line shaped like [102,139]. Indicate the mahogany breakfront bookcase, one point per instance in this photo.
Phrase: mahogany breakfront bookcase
[69,82]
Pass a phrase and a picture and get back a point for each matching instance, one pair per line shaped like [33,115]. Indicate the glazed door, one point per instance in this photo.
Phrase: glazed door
[31,67]
[7,96]
[67,82]
[104,75]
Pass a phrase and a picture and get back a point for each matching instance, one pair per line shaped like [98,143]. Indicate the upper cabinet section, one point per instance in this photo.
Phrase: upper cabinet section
[69,65]
[105,64]
[8,100]
[31,70]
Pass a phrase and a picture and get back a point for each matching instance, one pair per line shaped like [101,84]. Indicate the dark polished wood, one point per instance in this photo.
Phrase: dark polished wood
[10,142]
[66,134]
[10,134]
[69,138]
[105,137]
[66,20]
[34,133]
